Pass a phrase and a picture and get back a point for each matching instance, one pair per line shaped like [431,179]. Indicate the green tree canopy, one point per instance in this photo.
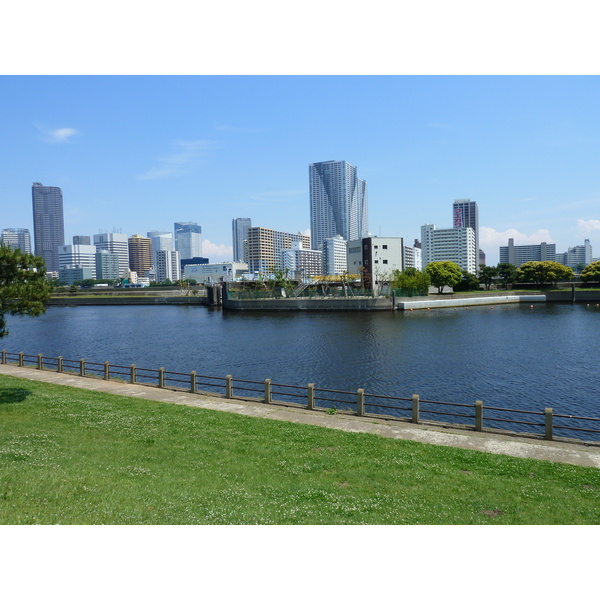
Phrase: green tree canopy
[23,285]
[591,273]
[487,275]
[542,272]
[443,273]
[507,272]
[468,282]
[411,281]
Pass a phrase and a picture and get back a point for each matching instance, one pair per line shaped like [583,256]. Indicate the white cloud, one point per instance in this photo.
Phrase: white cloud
[586,226]
[216,252]
[490,237]
[188,156]
[57,136]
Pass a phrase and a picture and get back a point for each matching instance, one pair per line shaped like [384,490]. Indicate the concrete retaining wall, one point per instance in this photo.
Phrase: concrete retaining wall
[365,303]
[451,302]
[121,301]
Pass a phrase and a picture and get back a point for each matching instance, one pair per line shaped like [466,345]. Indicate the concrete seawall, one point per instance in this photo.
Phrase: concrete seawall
[380,303]
[470,301]
[122,301]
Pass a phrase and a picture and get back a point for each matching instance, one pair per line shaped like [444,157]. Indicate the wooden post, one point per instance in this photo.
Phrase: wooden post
[59,365]
[311,396]
[106,370]
[478,415]
[82,367]
[193,382]
[268,392]
[415,408]
[3,357]
[40,362]
[548,415]
[132,374]
[360,403]
[21,359]
[161,377]
[228,386]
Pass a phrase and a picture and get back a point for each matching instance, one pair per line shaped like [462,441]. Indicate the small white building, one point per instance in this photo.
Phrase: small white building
[225,271]
[375,258]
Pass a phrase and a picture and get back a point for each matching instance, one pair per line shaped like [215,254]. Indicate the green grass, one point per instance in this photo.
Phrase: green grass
[73,456]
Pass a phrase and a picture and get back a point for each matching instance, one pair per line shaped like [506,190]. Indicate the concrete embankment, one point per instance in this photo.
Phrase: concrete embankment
[467,301]
[278,304]
[125,301]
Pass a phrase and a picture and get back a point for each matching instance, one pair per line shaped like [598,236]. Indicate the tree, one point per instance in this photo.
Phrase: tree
[443,273]
[411,282]
[544,271]
[507,272]
[23,285]
[487,275]
[591,273]
[468,282]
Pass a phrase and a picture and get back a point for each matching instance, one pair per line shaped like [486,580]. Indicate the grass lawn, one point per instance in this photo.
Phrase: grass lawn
[72,456]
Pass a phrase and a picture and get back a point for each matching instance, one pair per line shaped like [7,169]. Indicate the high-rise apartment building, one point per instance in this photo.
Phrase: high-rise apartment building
[140,254]
[338,202]
[48,223]
[517,255]
[335,258]
[239,233]
[265,245]
[456,245]
[577,255]
[188,239]
[17,238]
[117,243]
[466,214]
[304,260]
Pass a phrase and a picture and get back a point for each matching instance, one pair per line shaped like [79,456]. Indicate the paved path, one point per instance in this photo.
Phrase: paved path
[511,445]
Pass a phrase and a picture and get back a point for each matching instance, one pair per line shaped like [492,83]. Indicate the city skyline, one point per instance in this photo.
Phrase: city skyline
[523,148]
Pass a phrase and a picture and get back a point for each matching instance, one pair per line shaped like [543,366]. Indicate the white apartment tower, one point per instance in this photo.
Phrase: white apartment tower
[338,202]
[335,257]
[456,245]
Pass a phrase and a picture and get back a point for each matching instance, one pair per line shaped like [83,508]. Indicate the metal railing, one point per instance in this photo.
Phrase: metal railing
[475,416]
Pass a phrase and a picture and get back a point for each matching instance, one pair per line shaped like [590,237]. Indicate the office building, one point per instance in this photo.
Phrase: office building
[578,255]
[167,265]
[264,248]
[466,214]
[335,257]
[17,238]
[76,257]
[338,202]
[140,254]
[517,255]
[188,239]
[302,262]
[107,265]
[82,240]
[117,243]
[456,245]
[161,240]
[48,223]
[374,258]
[239,233]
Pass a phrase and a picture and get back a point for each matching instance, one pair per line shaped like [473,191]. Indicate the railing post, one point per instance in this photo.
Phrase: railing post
[478,415]
[21,359]
[267,399]
[40,362]
[311,396]
[548,415]
[3,357]
[106,370]
[132,374]
[415,408]
[193,382]
[60,368]
[228,386]
[82,367]
[161,377]
[360,403]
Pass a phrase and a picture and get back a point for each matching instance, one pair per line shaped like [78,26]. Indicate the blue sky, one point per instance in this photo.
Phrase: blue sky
[136,153]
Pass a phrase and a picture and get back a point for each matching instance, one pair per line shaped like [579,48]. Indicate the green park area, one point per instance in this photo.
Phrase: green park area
[73,456]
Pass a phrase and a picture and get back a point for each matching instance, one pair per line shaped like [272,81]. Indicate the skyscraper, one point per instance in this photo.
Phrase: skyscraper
[117,243]
[17,238]
[466,214]
[48,223]
[338,202]
[239,233]
[188,239]
[140,254]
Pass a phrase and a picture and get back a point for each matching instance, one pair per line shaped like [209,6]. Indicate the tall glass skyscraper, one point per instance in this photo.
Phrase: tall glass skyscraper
[338,202]
[17,238]
[48,223]
[188,239]
[239,233]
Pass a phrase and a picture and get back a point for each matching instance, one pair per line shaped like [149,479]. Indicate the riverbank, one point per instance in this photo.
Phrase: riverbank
[84,456]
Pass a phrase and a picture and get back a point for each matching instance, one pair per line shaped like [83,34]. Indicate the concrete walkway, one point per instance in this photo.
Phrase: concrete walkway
[587,455]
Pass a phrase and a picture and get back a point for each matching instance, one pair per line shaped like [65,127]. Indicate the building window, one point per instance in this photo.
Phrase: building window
[385,262]
[384,246]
